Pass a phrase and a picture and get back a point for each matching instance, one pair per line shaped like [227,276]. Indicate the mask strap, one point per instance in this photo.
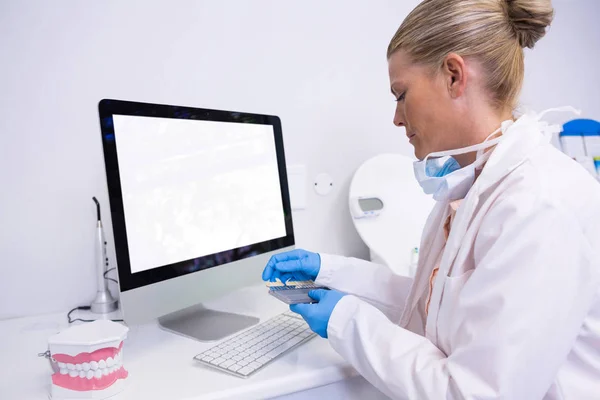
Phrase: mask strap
[559,109]
[481,152]
[481,146]
[481,159]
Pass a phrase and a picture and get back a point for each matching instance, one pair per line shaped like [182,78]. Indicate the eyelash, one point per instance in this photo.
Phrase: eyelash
[401,97]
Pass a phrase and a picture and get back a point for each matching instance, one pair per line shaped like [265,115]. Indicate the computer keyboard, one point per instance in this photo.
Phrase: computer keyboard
[246,353]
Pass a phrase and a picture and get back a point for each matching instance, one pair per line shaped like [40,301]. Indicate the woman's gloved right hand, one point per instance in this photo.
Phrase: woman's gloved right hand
[295,265]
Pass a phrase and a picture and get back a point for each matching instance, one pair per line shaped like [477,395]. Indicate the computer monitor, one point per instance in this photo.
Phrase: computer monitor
[199,202]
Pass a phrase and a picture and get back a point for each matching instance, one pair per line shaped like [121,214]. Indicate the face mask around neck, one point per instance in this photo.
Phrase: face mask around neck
[440,175]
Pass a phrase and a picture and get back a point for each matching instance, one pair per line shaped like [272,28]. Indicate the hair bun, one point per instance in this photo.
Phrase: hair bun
[529,19]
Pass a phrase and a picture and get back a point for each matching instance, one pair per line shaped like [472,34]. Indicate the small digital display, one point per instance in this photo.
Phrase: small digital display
[371,204]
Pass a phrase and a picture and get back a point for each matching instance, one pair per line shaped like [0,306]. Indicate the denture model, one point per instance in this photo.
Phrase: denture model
[88,361]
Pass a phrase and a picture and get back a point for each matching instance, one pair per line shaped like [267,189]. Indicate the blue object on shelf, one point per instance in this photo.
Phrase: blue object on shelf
[581,127]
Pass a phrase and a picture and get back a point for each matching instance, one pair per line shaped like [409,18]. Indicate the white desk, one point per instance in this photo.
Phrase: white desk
[161,367]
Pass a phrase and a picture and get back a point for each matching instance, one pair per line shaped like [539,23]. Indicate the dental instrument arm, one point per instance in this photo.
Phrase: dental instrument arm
[103,302]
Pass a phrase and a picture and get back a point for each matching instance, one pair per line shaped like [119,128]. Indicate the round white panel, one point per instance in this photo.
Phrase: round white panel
[392,234]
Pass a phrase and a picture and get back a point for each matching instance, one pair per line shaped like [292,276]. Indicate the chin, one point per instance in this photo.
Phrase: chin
[419,153]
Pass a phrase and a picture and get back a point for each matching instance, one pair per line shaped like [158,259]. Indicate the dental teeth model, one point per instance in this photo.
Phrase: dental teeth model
[88,361]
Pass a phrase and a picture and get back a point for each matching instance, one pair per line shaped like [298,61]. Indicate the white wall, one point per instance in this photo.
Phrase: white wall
[564,67]
[319,65]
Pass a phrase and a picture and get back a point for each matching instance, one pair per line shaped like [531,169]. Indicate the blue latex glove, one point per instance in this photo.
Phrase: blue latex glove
[317,314]
[296,265]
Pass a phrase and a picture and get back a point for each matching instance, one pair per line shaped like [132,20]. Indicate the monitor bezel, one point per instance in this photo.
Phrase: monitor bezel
[128,280]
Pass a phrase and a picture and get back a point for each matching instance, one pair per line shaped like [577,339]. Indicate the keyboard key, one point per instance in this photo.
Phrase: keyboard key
[246,371]
[207,359]
[236,358]
[234,367]
[243,363]
[227,364]
[254,365]
[217,361]
[261,352]
[278,350]
[262,360]
[295,340]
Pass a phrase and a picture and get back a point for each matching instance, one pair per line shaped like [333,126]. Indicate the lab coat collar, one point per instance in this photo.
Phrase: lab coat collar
[522,138]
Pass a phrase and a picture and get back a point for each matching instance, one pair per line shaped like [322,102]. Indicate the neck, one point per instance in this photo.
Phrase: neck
[476,131]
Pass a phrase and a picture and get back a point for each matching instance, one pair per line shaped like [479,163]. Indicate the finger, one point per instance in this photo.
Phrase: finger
[289,266]
[317,294]
[295,254]
[301,309]
[283,277]
[269,269]
[267,272]
[286,262]
[286,277]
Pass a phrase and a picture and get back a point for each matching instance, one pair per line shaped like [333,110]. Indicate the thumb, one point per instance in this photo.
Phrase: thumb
[317,294]
[299,308]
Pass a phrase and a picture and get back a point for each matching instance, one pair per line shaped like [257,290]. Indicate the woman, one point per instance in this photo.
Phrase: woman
[506,299]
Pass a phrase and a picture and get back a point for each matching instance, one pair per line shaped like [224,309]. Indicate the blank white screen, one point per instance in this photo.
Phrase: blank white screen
[192,188]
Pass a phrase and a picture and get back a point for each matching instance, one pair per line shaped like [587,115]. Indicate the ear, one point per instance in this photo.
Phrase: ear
[455,74]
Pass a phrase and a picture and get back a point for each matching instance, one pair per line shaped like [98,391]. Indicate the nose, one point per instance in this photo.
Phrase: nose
[399,116]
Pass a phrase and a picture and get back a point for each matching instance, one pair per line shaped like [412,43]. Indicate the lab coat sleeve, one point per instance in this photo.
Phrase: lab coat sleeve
[372,282]
[513,323]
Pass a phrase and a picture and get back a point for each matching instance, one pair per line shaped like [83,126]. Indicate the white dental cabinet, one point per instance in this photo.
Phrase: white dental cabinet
[160,363]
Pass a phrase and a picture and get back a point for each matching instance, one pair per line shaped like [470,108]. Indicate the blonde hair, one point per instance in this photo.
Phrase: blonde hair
[493,32]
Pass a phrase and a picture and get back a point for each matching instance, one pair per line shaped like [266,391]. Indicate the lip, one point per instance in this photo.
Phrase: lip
[85,385]
[410,136]
[80,358]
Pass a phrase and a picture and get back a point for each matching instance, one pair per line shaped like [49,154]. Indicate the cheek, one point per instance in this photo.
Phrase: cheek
[418,120]
[415,120]
[423,116]
[414,114]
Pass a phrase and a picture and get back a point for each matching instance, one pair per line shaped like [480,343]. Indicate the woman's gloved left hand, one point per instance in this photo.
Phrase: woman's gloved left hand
[317,314]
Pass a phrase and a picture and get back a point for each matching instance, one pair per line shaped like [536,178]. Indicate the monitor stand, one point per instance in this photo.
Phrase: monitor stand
[203,324]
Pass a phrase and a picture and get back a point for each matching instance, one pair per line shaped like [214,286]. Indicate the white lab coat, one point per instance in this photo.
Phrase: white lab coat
[515,306]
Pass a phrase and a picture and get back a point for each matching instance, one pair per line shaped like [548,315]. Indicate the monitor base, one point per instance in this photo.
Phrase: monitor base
[205,325]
